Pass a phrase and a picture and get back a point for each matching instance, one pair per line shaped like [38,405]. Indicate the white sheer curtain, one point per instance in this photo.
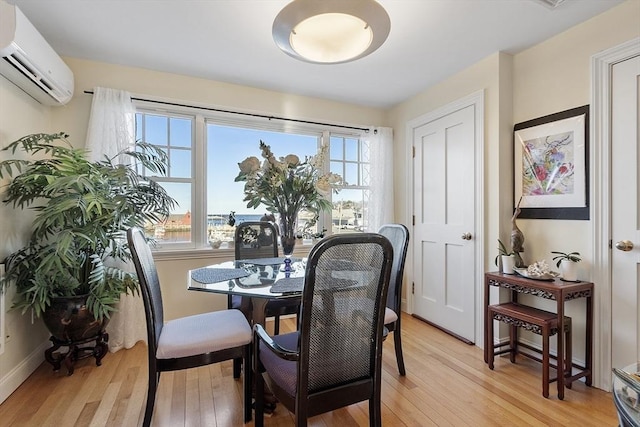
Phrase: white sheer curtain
[381,177]
[111,124]
[111,130]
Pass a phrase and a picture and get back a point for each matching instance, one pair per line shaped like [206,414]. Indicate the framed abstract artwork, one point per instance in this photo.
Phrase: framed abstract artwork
[551,165]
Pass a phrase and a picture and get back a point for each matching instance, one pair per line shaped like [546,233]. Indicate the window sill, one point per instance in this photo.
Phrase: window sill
[301,250]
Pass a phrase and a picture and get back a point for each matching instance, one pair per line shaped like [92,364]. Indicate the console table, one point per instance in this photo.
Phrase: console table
[559,291]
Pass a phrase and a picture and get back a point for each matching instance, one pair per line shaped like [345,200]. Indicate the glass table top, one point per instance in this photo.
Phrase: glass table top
[626,394]
[256,281]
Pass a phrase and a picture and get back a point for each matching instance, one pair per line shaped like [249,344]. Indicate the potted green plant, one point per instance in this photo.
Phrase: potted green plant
[568,264]
[505,260]
[286,186]
[83,210]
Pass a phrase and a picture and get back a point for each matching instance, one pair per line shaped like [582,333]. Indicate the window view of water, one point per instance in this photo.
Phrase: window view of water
[226,147]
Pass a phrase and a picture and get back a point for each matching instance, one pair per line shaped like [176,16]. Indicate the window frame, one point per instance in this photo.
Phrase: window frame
[201,117]
[361,163]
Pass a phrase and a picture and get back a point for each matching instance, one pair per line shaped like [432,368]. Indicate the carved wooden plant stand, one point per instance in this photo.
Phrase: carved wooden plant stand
[75,351]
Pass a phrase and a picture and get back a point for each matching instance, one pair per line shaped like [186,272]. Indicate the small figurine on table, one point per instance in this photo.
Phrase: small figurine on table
[517,238]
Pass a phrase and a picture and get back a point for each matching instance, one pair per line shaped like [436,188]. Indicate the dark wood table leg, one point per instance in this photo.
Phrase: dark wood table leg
[49,357]
[258,317]
[589,339]
[258,311]
[101,348]
[560,356]
[486,321]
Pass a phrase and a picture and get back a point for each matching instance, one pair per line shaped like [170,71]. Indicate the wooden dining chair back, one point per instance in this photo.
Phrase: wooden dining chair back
[248,246]
[335,360]
[256,239]
[398,235]
[259,239]
[190,341]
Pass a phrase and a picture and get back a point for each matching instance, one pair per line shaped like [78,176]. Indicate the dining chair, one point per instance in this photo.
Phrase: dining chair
[398,235]
[190,341]
[335,359]
[259,239]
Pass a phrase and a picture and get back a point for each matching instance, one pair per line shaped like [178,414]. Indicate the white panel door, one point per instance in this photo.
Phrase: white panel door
[443,255]
[625,222]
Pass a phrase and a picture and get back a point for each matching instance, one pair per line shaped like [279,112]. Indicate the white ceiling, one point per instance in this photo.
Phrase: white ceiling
[230,41]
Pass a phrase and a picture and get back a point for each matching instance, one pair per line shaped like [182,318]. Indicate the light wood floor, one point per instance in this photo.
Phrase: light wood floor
[447,384]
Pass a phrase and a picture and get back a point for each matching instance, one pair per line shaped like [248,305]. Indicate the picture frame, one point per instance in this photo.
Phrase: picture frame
[551,166]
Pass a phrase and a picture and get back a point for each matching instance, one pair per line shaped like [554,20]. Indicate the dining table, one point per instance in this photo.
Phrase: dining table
[257,280]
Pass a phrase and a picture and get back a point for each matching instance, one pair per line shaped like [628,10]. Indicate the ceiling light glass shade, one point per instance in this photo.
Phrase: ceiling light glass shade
[331,31]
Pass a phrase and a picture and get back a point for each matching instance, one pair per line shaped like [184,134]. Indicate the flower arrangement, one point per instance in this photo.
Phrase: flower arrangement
[286,185]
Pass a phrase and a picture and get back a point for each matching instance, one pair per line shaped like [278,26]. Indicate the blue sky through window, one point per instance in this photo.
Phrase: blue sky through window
[227,146]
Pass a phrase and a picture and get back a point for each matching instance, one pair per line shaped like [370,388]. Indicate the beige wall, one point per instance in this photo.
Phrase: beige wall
[490,76]
[547,78]
[201,92]
[19,116]
[555,76]
[74,117]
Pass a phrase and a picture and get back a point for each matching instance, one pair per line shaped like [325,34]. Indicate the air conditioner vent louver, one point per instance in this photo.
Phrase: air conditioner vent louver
[30,62]
[36,78]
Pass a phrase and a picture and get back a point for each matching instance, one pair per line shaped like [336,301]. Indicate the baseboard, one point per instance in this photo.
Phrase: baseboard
[10,382]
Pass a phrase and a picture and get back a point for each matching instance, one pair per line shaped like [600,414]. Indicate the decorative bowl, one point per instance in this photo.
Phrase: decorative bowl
[551,275]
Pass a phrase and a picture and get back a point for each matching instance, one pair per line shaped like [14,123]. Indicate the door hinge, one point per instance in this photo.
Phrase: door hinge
[413,220]
[413,287]
[414,152]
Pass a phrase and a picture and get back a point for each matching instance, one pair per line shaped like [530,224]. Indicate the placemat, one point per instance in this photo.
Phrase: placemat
[288,285]
[214,275]
[266,261]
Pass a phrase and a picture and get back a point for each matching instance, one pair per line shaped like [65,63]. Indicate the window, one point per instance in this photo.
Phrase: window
[204,152]
[226,147]
[174,135]
[349,157]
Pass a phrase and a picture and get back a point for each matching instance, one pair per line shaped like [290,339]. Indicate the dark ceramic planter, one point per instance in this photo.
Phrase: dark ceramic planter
[69,320]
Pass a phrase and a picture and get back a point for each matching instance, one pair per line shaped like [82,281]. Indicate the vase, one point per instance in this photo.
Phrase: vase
[288,236]
[508,262]
[69,319]
[569,270]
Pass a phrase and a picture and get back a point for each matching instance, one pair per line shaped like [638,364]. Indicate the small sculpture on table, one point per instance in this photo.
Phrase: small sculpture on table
[517,238]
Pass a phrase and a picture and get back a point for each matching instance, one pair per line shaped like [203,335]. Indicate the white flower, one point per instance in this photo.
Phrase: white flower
[249,165]
[286,185]
[317,161]
[334,178]
[323,185]
[291,160]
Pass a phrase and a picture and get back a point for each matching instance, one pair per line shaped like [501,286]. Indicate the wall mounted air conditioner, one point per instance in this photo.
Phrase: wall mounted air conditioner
[29,61]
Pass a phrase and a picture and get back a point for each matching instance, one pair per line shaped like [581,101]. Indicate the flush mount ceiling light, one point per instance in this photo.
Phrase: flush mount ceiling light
[331,31]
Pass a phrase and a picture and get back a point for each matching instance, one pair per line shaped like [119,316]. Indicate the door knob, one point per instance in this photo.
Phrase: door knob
[624,245]
[466,236]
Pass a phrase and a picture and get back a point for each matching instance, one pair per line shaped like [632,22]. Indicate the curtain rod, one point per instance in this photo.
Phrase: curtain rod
[218,110]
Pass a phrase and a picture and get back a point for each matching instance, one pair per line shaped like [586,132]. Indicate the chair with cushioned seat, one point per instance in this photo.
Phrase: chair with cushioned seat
[335,359]
[259,239]
[189,341]
[398,235]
